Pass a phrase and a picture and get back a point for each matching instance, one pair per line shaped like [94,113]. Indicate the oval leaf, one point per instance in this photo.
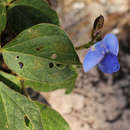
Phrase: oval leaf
[67,84]
[16,109]
[44,41]
[38,55]
[23,14]
[51,119]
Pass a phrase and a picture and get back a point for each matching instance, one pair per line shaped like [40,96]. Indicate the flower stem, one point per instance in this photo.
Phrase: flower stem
[86,45]
[90,43]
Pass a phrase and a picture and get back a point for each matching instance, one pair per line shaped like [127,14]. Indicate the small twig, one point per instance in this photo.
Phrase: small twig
[24,89]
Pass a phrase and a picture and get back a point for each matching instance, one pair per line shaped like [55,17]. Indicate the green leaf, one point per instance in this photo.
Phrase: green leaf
[67,84]
[23,14]
[41,56]
[10,80]
[51,119]
[2,17]
[16,110]
[44,41]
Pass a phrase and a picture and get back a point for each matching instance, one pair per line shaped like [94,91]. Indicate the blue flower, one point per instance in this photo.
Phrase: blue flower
[104,54]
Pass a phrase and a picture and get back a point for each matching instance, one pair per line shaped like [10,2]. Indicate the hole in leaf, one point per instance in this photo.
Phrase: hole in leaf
[37,49]
[17,57]
[61,66]
[27,121]
[51,65]
[21,65]
[53,56]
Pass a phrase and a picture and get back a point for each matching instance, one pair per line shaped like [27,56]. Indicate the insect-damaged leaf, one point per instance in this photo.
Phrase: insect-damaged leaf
[51,119]
[23,14]
[42,56]
[16,110]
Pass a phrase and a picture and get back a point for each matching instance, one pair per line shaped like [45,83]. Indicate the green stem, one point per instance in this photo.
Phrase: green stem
[89,44]
[24,89]
[86,45]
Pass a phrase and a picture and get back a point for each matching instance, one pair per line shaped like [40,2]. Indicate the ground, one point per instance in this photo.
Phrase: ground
[99,101]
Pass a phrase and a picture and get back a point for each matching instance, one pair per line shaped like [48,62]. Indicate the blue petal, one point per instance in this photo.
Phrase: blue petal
[111,42]
[94,56]
[109,64]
